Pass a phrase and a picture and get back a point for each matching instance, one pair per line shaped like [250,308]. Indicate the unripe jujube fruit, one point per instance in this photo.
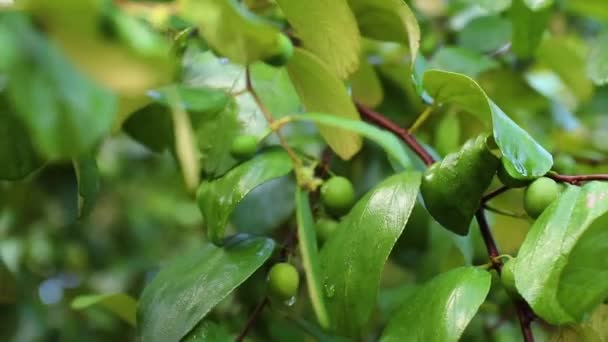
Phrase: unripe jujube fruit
[539,195]
[325,228]
[283,280]
[338,195]
[284,51]
[244,146]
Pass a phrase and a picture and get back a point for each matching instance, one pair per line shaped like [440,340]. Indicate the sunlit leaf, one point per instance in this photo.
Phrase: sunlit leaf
[120,304]
[366,86]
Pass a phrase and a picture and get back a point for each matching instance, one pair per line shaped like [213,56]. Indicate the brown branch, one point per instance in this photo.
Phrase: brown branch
[495,193]
[387,124]
[577,179]
[488,239]
[254,315]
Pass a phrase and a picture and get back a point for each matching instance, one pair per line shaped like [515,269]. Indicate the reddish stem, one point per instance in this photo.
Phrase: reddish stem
[577,179]
[387,124]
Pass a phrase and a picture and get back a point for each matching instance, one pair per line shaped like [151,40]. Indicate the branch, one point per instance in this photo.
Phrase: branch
[577,179]
[493,194]
[387,124]
[256,312]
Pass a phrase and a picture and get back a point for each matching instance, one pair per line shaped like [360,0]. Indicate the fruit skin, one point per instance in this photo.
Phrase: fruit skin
[508,180]
[325,228]
[338,195]
[284,49]
[507,277]
[244,146]
[539,195]
[283,280]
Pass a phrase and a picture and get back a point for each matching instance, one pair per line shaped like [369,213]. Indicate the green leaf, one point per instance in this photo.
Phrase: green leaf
[440,310]
[456,59]
[592,8]
[17,155]
[65,114]
[187,288]
[218,198]
[310,256]
[391,144]
[208,331]
[232,30]
[597,61]
[567,59]
[88,179]
[366,87]
[135,58]
[447,134]
[452,189]
[320,91]
[536,5]
[485,34]
[389,20]
[528,28]
[120,304]
[559,270]
[353,257]
[336,40]
[523,157]
[593,329]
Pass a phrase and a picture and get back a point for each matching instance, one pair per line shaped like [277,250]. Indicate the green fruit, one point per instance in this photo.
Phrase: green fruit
[539,195]
[507,277]
[283,280]
[325,228]
[284,51]
[508,180]
[338,195]
[244,146]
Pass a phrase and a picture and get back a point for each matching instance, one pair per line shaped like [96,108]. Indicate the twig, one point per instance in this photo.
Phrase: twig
[504,212]
[254,315]
[493,194]
[387,124]
[577,179]
[488,239]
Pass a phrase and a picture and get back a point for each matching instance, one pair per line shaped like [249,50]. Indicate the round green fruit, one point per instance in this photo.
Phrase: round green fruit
[338,195]
[283,280]
[244,146]
[325,228]
[539,195]
[284,51]
[507,277]
[508,180]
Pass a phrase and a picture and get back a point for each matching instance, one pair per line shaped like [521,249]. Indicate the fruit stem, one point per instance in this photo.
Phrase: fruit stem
[426,113]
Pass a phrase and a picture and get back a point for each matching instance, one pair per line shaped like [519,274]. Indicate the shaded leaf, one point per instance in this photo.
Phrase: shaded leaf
[120,304]
[307,241]
[320,91]
[558,269]
[88,179]
[461,60]
[597,61]
[366,86]
[353,258]
[527,28]
[43,84]
[452,189]
[336,41]
[485,34]
[231,30]
[218,198]
[389,20]
[187,288]
[208,331]
[523,157]
[391,144]
[442,308]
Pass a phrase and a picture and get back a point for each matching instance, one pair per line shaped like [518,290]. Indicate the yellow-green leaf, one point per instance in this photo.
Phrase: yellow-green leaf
[366,86]
[320,91]
[327,28]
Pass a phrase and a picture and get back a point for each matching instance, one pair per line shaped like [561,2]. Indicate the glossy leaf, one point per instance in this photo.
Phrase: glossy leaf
[88,179]
[597,61]
[441,309]
[218,198]
[17,155]
[353,258]
[320,91]
[135,58]
[366,86]
[187,288]
[336,41]
[386,140]
[43,84]
[523,157]
[389,20]
[452,189]
[558,269]
[527,28]
[307,240]
[120,304]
